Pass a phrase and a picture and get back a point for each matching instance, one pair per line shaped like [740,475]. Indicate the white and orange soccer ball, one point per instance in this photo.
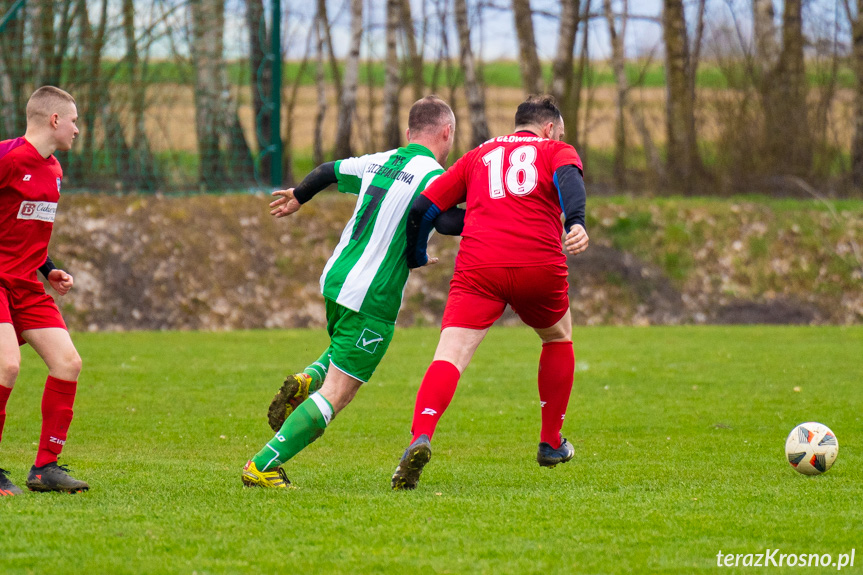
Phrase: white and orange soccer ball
[811,448]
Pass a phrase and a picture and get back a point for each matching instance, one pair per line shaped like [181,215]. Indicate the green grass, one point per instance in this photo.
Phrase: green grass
[498,73]
[679,436]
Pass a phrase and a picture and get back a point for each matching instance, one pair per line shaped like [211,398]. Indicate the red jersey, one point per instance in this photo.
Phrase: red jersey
[513,205]
[29,192]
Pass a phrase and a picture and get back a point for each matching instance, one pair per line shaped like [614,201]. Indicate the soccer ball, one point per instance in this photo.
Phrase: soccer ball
[811,448]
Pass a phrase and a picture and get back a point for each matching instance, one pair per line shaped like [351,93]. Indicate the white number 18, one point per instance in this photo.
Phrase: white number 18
[521,169]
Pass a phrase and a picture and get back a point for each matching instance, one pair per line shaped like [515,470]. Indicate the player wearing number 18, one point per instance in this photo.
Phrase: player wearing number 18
[516,188]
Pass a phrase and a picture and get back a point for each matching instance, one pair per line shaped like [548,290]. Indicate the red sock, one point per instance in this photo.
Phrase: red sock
[4,397]
[556,368]
[57,403]
[433,397]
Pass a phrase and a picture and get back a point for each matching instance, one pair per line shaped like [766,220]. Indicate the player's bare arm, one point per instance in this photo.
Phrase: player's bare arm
[289,201]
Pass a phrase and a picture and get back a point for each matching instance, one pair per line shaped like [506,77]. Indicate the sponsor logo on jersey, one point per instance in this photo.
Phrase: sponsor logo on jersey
[42,211]
[369,340]
[27,178]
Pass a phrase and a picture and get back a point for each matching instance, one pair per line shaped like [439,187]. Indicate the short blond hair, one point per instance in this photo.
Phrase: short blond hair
[48,100]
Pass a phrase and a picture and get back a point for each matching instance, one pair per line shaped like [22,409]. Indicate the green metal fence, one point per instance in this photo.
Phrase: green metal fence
[172,97]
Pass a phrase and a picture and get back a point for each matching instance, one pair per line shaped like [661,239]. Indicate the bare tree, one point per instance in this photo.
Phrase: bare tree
[392,135]
[561,68]
[414,55]
[857,138]
[331,54]
[143,165]
[290,104]
[208,22]
[764,34]
[683,162]
[617,33]
[572,105]
[789,148]
[12,76]
[472,85]
[348,101]
[318,145]
[531,73]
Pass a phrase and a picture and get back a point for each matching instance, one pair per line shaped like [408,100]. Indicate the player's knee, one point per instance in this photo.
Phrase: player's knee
[72,365]
[9,367]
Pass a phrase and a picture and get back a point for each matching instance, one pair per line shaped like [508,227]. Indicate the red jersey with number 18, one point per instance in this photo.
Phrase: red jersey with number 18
[29,192]
[513,205]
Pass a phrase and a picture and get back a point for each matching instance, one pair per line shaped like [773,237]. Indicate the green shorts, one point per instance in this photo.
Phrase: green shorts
[357,342]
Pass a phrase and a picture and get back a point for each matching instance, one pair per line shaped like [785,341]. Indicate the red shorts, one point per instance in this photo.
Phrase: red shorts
[478,297]
[28,309]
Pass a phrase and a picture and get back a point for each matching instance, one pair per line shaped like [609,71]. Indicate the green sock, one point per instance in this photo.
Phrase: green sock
[318,371]
[305,424]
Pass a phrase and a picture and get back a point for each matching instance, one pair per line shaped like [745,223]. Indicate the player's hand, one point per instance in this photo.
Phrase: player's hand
[576,240]
[60,281]
[431,261]
[285,205]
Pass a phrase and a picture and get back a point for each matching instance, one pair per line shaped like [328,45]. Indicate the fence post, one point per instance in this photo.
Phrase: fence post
[276,96]
[10,15]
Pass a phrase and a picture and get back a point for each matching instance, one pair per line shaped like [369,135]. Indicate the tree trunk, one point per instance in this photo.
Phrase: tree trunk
[618,64]
[415,57]
[472,84]
[12,76]
[238,156]
[43,43]
[857,142]
[331,54]
[208,23]
[683,160]
[348,101]
[561,68]
[290,104]
[764,32]
[789,148]
[391,134]
[531,73]
[572,103]
[318,142]
[143,164]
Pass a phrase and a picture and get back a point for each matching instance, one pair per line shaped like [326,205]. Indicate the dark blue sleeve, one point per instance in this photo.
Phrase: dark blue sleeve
[47,267]
[572,195]
[450,222]
[421,218]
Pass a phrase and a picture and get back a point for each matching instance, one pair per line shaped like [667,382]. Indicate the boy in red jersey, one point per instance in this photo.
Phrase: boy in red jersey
[30,178]
[516,188]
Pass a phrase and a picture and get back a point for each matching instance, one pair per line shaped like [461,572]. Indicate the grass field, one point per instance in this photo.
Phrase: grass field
[679,436]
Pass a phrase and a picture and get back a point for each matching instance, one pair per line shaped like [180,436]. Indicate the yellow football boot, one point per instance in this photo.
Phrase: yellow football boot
[275,478]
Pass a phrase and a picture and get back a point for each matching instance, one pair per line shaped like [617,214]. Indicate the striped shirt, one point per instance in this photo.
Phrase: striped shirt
[368,271]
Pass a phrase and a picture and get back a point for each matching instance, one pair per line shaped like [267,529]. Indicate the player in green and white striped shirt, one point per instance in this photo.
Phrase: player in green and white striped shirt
[362,283]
